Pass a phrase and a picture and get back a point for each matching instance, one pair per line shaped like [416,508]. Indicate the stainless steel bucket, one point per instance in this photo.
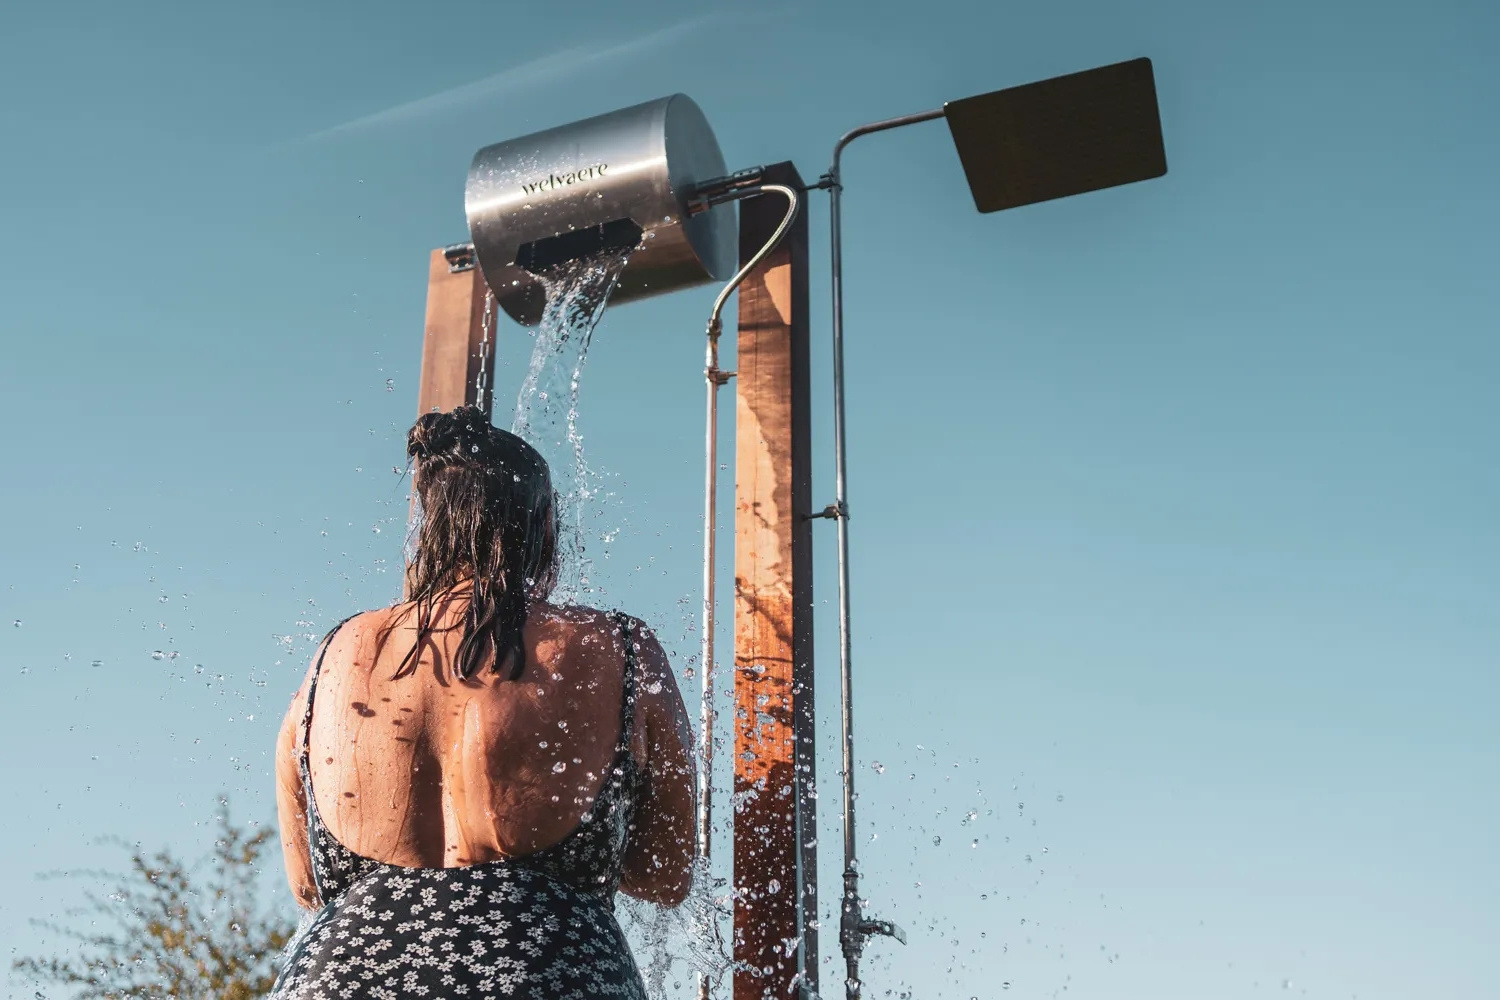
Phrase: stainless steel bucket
[615,180]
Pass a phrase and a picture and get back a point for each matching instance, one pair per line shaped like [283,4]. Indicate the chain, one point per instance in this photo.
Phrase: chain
[483,391]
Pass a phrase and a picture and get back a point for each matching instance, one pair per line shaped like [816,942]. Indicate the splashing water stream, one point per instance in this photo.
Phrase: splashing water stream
[547,408]
[671,945]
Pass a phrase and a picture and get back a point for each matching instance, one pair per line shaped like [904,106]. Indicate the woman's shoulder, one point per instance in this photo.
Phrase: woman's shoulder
[600,630]
[364,633]
[363,623]
[586,618]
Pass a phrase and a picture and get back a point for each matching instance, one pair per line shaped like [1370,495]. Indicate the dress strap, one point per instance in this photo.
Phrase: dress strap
[312,688]
[627,702]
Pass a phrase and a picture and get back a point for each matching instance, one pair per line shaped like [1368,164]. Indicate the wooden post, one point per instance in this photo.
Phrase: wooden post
[453,349]
[775,869]
[458,366]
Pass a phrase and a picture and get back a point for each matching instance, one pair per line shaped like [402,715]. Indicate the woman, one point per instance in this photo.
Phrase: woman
[465,780]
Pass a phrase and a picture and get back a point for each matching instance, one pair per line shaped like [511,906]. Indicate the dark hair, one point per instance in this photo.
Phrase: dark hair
[486,514]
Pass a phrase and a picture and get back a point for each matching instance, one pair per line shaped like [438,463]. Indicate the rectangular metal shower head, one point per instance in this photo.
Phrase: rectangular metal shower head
[1082,132]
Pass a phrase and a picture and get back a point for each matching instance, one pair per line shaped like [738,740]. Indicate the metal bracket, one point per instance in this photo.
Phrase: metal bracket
[833,511]
[718,376]
[460,257]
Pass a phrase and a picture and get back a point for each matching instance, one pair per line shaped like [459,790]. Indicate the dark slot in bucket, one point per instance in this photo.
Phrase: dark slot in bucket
[540,256]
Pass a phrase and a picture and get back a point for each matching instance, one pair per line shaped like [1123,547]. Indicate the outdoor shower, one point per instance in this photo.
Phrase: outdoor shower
[615,181]
[651,179]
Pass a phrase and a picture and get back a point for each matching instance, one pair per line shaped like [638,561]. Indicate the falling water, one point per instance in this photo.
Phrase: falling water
[674,945]
[547,407]
[671,945]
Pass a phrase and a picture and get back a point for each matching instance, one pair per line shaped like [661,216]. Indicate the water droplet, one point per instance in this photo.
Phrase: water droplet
[559,767]
[17,623]
[543,744]
[878,767]
[937,841]
[158,655]
[390,385]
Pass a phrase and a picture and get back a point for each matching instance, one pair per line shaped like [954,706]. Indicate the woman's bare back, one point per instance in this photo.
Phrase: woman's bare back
[427,770]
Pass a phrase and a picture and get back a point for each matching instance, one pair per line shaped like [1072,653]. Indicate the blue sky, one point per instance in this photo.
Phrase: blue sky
[1173,504]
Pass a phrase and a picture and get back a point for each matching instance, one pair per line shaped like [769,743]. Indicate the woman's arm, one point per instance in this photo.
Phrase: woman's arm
[659,858]
[291,805]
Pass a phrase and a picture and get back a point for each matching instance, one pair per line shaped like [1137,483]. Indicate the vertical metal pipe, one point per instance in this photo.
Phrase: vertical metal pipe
[706,664]
[706,659]
[849,920]
[852,925]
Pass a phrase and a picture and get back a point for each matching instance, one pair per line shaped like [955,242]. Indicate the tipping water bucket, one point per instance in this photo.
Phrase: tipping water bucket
[617,180]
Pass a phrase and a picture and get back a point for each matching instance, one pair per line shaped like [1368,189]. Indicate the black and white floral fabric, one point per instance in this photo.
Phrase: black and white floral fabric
[537,926]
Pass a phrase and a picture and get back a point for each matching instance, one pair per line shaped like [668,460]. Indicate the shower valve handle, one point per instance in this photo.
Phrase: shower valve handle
[886,927]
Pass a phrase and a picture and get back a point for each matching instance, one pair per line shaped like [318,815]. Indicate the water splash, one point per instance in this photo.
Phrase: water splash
[674,945]
[547,407]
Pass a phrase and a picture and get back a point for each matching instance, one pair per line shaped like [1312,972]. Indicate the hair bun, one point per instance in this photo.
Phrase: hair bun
[456,436]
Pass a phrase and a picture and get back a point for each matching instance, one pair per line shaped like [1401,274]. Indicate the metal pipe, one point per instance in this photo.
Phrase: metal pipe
[793,202]
[853,928]
[710,507]
[715,378]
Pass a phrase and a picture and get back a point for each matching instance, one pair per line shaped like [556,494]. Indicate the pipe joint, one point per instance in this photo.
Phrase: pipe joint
[723,189]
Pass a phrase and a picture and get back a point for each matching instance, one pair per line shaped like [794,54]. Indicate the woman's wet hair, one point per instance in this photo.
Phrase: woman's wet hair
[486,518]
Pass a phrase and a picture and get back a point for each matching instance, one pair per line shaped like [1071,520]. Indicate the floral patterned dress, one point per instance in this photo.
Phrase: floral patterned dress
[541,925]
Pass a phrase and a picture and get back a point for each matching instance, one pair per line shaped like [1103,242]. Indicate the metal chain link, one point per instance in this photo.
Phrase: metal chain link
[483,391]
